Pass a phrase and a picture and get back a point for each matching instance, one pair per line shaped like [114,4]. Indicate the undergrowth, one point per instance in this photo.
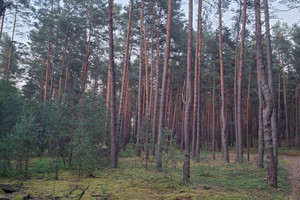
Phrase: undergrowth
[210,179]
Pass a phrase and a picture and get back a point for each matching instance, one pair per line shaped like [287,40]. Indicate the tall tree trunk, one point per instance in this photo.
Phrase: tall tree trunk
[285,105]
[67,68]
[268,103]
[279,113]
[223,120]
[158,159]
[52,72]
[156,86]
[236,63]
[175,114]
[189,94]
[152,72]
[197,89]
[146,69]
[113,148]
[213,111]
[138,142]
[194,130]
[260,157]
[248,109]
[200,53]
[167,99]
[148,107]
[122,102]
[270,80]
[135,121]
[46,94]
[95,87]
[86,61]
[240,76]
[107,101]
[61,72]
[72,134]
[41,86]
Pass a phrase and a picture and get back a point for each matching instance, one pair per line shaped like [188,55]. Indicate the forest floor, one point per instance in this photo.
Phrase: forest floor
[294,173]
[210,179]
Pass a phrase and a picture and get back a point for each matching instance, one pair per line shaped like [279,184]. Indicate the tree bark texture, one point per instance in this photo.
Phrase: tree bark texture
[268,103]
[158,159]
[223,119]
[113,148]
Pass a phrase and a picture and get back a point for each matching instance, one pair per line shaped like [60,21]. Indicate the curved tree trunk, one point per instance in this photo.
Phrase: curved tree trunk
[268,103]
[270,80]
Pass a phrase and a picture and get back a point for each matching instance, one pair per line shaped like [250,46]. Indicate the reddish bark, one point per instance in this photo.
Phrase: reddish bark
[125,77]
[158,159]
[223,120]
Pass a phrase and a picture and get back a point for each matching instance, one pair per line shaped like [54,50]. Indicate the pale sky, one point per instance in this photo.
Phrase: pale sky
[291,17]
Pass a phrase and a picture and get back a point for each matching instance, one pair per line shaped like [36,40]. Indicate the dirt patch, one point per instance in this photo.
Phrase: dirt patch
[294,172]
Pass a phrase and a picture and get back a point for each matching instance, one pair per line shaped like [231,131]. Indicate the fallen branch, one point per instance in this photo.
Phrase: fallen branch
[9,188]
[67,196]
[82,193]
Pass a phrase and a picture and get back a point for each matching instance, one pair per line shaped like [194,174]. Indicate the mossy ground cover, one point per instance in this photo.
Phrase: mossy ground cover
[210,179]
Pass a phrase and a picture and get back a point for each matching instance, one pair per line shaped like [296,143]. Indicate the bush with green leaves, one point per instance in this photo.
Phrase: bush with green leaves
[11,105]
[90,135]
[24,139]
[56,121]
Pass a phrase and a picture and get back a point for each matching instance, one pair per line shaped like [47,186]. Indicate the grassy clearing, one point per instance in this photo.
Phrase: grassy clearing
[209,180]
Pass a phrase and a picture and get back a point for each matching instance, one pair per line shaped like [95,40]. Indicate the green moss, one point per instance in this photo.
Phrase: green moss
[2,194]
[18,197]
[210,179]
